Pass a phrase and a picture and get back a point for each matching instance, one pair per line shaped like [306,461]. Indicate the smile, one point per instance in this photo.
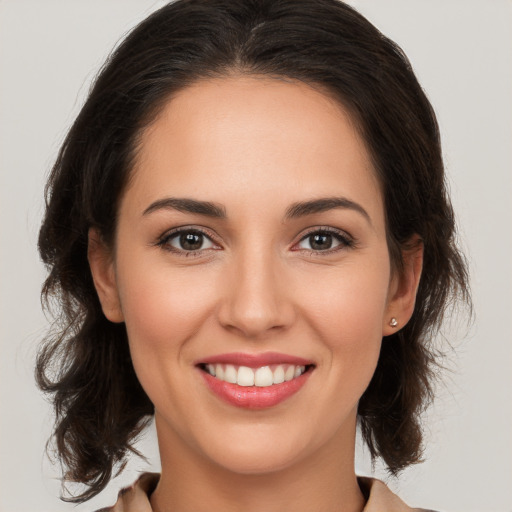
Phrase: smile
[261,377]
[255,381]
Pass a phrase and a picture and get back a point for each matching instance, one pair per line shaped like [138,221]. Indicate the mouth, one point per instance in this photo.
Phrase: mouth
[255,381]
[263,376]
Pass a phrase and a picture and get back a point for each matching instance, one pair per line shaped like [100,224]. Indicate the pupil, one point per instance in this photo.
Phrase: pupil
[191,241]
[321,241]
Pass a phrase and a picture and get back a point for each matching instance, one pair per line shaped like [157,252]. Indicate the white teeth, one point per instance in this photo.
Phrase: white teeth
[263,377]
[230,374]
[245,376]
[279,375]
[260,377]
[289,373]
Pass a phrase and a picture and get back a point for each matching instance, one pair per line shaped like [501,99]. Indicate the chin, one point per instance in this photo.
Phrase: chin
[262,448]
[254,459]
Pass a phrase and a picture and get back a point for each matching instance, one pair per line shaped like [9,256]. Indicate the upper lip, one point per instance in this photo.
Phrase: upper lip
[254,360]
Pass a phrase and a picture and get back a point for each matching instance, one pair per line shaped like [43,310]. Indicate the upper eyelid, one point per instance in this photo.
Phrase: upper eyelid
[325,229]
[181,229]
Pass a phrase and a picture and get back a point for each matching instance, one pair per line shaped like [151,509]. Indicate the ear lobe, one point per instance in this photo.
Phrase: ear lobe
[103,275]
[404,287]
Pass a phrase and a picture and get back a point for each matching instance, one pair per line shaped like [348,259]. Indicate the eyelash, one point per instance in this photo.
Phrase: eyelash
[344,239]
[164,241]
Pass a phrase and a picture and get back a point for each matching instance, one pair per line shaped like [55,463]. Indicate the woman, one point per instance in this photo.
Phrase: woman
[249,233]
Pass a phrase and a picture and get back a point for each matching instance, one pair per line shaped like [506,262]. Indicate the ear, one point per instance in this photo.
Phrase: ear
[101,264]
[404,287]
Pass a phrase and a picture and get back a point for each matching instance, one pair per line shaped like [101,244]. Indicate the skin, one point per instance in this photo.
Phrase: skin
[254,146]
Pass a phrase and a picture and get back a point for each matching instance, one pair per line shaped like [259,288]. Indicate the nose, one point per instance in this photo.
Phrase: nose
[256,300]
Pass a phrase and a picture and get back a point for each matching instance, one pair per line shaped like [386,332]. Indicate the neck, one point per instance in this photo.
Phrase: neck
[323,481]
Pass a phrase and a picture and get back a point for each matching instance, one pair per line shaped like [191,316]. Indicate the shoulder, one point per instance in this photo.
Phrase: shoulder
[136,497]
[381,499]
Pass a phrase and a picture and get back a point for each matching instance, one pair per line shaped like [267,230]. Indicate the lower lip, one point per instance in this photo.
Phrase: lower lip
[254,397]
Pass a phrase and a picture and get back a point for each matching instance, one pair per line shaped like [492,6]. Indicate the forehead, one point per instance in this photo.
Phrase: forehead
[228,137]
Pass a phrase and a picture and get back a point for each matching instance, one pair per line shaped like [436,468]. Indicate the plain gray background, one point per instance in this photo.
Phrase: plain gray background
[461,51]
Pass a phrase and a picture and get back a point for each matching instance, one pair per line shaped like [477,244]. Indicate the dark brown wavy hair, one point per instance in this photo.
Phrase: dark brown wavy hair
[85,363]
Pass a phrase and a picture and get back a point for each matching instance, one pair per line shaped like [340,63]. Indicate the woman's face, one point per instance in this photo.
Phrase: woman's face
[252,239]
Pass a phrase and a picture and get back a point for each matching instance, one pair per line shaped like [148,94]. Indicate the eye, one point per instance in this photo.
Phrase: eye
[187,241]
[324,240]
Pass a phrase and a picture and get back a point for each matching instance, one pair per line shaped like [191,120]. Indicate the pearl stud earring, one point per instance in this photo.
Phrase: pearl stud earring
[393,322]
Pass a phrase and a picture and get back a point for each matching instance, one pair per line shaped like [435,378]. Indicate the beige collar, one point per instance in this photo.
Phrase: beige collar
[136,497]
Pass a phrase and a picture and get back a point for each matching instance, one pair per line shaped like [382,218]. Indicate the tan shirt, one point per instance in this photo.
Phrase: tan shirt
[136,497]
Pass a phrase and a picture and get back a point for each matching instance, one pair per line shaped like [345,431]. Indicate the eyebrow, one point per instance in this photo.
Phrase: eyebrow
[187,206]
[324,204]
[296,210]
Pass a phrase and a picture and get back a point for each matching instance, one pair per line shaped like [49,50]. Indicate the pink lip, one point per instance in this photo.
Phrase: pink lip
[253,397]
[255,360]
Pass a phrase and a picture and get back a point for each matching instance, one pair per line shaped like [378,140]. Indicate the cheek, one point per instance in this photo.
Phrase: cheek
[349,305]
[163,308]
[346,313]
[163,311]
